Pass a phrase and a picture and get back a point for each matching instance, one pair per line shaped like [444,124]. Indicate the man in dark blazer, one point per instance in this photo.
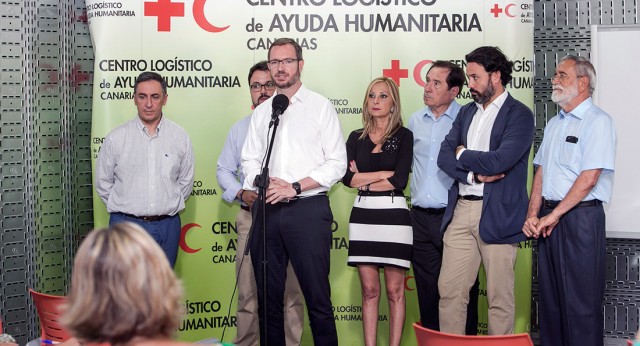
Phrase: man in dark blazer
[486,152]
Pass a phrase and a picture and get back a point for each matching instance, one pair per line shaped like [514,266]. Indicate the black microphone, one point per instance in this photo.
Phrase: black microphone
[278,106]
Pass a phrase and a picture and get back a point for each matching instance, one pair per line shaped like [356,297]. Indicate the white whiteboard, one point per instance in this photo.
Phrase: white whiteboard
[615,53]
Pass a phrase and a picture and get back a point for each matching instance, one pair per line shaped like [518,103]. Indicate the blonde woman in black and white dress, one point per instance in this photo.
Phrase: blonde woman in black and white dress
[380,234]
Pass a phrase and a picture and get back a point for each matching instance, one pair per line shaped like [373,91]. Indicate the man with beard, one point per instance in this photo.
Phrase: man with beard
[231,179]
[486,152]
[574,176]
[309,156]
[429,189]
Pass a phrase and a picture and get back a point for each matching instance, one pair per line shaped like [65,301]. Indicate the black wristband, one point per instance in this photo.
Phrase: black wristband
[241,193]
[296,186]
[475,178]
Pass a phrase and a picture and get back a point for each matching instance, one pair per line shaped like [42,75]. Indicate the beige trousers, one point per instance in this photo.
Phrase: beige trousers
[463,252]
[248,333]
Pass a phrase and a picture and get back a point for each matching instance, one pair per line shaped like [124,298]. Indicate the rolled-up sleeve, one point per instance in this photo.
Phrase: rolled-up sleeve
[332,143]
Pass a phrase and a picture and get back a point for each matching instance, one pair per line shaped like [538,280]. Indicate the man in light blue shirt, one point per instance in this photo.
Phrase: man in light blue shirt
[430,188]
[574,176]
[231,179]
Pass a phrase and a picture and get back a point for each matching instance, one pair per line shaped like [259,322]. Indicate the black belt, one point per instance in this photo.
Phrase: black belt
[381,193]
[591,203]
[470,197]
[244,207]
[149,218]
[297,198]
[433,211]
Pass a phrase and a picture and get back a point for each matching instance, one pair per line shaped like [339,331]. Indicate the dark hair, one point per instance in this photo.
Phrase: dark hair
[260,66]
[492,59]
[147,76]
[456,74]
[284,41]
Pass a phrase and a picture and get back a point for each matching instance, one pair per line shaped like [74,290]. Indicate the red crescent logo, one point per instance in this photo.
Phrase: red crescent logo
[417,72]
[406,283]
[198,15]
[183,236]
[506,10]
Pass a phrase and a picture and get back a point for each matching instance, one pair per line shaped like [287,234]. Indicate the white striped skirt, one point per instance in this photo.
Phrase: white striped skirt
[380,232]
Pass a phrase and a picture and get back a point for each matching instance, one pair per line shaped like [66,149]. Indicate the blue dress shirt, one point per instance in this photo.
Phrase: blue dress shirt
[228,172]
[429,184]
[574,142]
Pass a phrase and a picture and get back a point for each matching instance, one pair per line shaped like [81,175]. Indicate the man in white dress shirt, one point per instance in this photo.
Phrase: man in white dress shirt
[308,157]
[230,179]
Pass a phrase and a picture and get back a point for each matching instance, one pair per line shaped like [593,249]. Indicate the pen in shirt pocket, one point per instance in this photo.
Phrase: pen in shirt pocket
[572,139]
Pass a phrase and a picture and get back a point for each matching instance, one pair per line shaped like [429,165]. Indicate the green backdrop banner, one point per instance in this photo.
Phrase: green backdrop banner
[205,49]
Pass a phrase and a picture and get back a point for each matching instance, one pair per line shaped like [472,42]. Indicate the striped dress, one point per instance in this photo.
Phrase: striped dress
[380,231]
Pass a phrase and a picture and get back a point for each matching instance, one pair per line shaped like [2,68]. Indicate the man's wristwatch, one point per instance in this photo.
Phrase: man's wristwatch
[296,186]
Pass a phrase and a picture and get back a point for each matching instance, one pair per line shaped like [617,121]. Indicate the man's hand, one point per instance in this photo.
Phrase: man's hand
[460,147]
[530,227]
[279,190]
[546,224]
[248,197]
[490,178]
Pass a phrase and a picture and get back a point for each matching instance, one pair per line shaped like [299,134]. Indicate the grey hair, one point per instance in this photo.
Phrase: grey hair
[584,68]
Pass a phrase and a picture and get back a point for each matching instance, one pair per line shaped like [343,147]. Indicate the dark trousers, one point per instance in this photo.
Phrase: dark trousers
[166,232]
[427,260]
[300,232]
[571,276]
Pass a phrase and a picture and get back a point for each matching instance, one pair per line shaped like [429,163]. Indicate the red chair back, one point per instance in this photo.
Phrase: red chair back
[428,337]
[48,308]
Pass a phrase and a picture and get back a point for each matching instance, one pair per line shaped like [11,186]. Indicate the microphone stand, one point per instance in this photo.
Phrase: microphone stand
[262,183]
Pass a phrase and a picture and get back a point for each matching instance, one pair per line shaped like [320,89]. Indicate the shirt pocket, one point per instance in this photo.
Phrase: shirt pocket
[170,165]
[569,156]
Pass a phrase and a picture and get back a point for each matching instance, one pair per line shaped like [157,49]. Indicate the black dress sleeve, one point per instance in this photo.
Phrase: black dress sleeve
[404,158]
[352,142]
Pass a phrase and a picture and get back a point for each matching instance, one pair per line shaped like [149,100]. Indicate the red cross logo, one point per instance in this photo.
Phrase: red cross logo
[496,10]
[183,235]
[164,10]
[395,72]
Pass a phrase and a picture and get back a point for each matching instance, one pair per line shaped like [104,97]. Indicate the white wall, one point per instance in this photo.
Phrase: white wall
[615,53]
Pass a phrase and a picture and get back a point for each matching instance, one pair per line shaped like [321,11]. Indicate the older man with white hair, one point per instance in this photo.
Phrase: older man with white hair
[574,176]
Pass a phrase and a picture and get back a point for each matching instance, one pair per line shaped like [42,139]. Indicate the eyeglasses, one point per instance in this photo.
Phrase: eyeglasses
[276,62]
[268,86]
[563,76]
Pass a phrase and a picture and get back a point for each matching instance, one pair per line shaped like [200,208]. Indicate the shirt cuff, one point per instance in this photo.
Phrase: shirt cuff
[460,153]
[470,178]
